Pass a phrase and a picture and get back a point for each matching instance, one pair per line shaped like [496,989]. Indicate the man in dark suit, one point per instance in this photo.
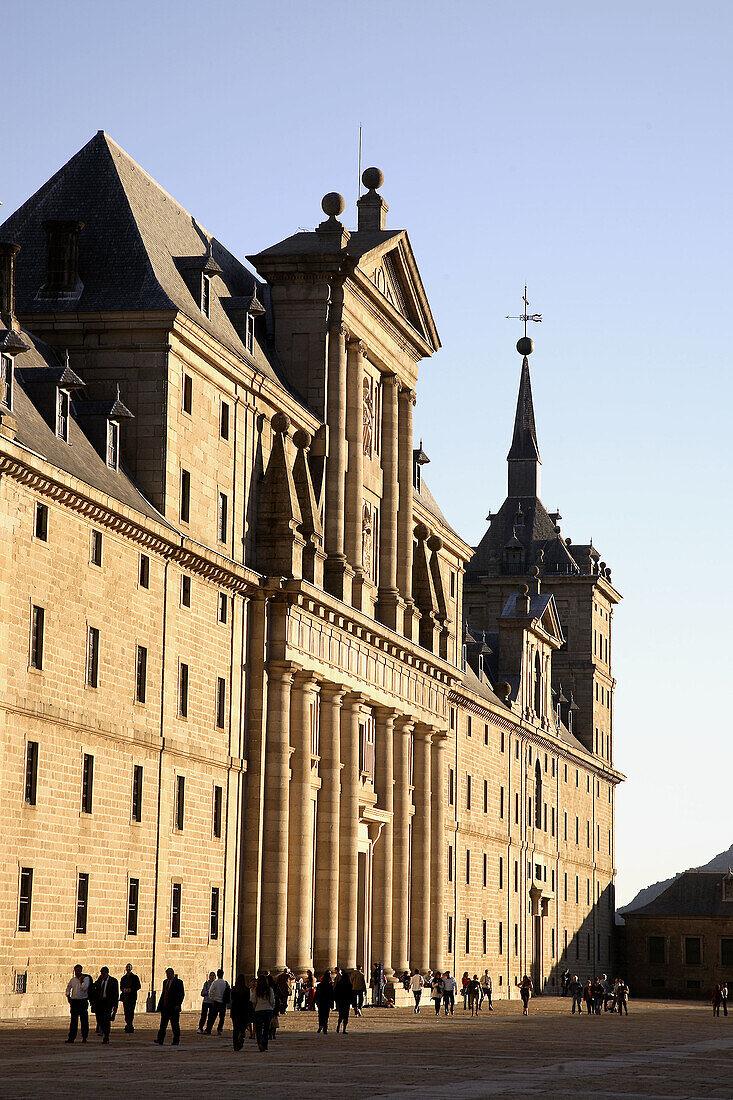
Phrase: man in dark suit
[105,999]
[169,1007]
[129,989]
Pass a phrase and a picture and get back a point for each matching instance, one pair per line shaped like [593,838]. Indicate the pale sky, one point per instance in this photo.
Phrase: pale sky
[583,148]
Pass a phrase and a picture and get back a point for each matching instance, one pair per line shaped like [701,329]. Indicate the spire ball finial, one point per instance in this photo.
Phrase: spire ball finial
[333,204]
[525,345]
[372,178]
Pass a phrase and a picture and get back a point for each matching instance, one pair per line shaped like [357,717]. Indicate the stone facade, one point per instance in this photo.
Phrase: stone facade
[242,722]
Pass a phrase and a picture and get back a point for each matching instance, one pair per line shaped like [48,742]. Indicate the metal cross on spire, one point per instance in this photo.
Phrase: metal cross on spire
[526,316]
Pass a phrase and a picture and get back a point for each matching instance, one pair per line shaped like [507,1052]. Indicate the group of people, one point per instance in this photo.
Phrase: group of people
[103,996]
[720,999]
[443,990]
[597,994]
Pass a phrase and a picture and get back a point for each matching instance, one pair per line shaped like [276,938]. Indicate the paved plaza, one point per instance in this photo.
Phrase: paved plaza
[662,1051]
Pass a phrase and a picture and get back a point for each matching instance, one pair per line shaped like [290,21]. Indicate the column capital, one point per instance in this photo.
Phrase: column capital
[405,723]
[391,379]
[283,670]
[439,738]
[306,680]
[334,693]
[356,344]
[423,732]
[339,329]
[408,395]
[386,714]
[355,699]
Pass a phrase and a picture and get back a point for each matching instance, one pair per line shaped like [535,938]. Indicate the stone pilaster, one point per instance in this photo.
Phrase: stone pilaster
[389,605]
[355,469]
[300,864]
[325,950]
[420,883]
[337,573]
[404,515]
[349,831]
[383,850]
[401,844]
[439,798]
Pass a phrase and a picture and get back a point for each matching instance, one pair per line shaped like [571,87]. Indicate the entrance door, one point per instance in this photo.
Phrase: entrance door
[537,960]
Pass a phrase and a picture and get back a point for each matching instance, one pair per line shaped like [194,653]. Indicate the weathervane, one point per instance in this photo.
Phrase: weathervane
[525,345]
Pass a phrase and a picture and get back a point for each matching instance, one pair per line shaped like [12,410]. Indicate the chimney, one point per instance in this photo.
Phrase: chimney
[8,252]
[372,207]
[62,256]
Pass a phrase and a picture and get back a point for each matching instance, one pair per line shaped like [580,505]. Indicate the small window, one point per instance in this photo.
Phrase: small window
[185,502]
[217,811]
[6,381]
[469,726]
[501,938]
[224,420]
[24,899]
[144,575]
[450,863]
[82,902]
[185,591]
[96,554]
[516,876]
[726,951]
[223,517]
[214,922]
[37,624]
[221,697]
[223,607]
[137,792]
[133,892]
[486,733]
[468,865]
[21,981]
[693,951]
[501,801]
[516,808]
[502,746]
[31,772]
[483,937]
[486,870]
[176,910]
[250,335]
[452,584]
[693,983]
[451,786]
[468,792]
[468,936]
[450,933]
[141,674]
[62,415]
[87,784]
[205,297]
[113,444]
[486,796]
[41,522]
[187,393]
[501,873]
[183,691]
[180,802]
[92,656]
[657,983]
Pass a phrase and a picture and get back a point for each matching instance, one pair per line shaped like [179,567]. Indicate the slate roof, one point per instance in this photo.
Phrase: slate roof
[133,251]
[693,894]
[307,242]
[430,504]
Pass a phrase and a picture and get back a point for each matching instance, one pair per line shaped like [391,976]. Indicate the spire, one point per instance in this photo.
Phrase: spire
[524,454]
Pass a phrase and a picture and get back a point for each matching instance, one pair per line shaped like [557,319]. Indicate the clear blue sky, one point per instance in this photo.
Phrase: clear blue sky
[584,148]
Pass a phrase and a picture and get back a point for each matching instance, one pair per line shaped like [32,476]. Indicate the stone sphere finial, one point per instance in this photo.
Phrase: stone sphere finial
[332,204]
[372,178]
[280,423]
[302,439]
[525,346]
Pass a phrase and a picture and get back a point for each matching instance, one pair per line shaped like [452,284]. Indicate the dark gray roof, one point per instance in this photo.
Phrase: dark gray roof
[693,894]
[524,441]
[134,249]
[538,604]
[429,502]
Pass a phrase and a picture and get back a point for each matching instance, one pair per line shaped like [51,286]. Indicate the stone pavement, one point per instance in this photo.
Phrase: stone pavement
[662,1051]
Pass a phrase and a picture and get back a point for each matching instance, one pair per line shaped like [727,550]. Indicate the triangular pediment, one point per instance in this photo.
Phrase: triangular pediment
[550,621]
[391,267]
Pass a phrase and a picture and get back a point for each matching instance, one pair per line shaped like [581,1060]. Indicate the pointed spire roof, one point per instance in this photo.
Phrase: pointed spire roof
[524,446]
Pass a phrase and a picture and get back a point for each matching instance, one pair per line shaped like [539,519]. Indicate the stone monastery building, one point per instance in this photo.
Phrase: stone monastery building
[259,703]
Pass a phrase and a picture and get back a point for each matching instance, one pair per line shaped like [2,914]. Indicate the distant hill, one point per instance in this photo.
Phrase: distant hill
[721,862]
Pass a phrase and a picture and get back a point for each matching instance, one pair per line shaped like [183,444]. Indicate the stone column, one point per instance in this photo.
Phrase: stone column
[388,605]
[349,831]
[420,882]
[355,469]
[337,575]
[404,516]
[401,843]
[300,863]
[273,918]
[383,851]
[325,949]
[438,801]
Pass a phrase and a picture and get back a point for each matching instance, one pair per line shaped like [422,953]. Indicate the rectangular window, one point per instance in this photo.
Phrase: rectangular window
[726,951]
[24,899]
[113,444]
[185,501]
[141,674]
[62,415]
[565,887]
[37,621]
[133,891]
[468,792]
[451,787]
[82,902]
[214,922]
[468,865]
[6,381]
[486,733]
[516,939]
[223,517]
[31,772]
[185,591]
[516,876]
[250,334]
[92,657]
[224,420]
[501,801]
[693,951]
[656,950]
[565,943]
[87,784]
[176,910]
[502,743]
[180,802]
[96,552]
[221,699]
[587,834]
[516,808]
[486,870]
[552,942]
[468,936]
[552,821]
[217,810]
[450,934]
[223,607]
[483,937]
[450,863]
[501,873]
[577,889]
[468,726]
[501,938]
[137,792]
[486,796]
[183,691]
[205,300]
[577,830]
[144,574]
[40,528]
[565,826]
[188,389]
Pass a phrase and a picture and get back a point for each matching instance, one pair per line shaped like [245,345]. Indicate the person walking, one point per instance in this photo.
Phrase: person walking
[342,997]
[576,992]
[450,988]
[487,989]
[219,993]
[358,987]
[77,994]
[464,989]
[436,991]
[129,989]
[239,1011]
[416,984]
[474,995]
[565,982]
[264,1006]
[285,985]
[106,997]
[622,997]
[205,1001]
[597,996]
[588,996]
[525,992]
[324,1001]
[169,1007]
[716,1001]
[724,997]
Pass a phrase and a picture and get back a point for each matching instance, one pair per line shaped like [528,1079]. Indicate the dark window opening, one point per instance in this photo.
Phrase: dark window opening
[31,772]
[24,899]
[133,891]
[82,902]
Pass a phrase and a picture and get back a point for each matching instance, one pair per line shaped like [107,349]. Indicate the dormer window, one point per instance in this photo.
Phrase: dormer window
[6,381]
[62,415]
[113,444]
[250,334]
[206,295]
